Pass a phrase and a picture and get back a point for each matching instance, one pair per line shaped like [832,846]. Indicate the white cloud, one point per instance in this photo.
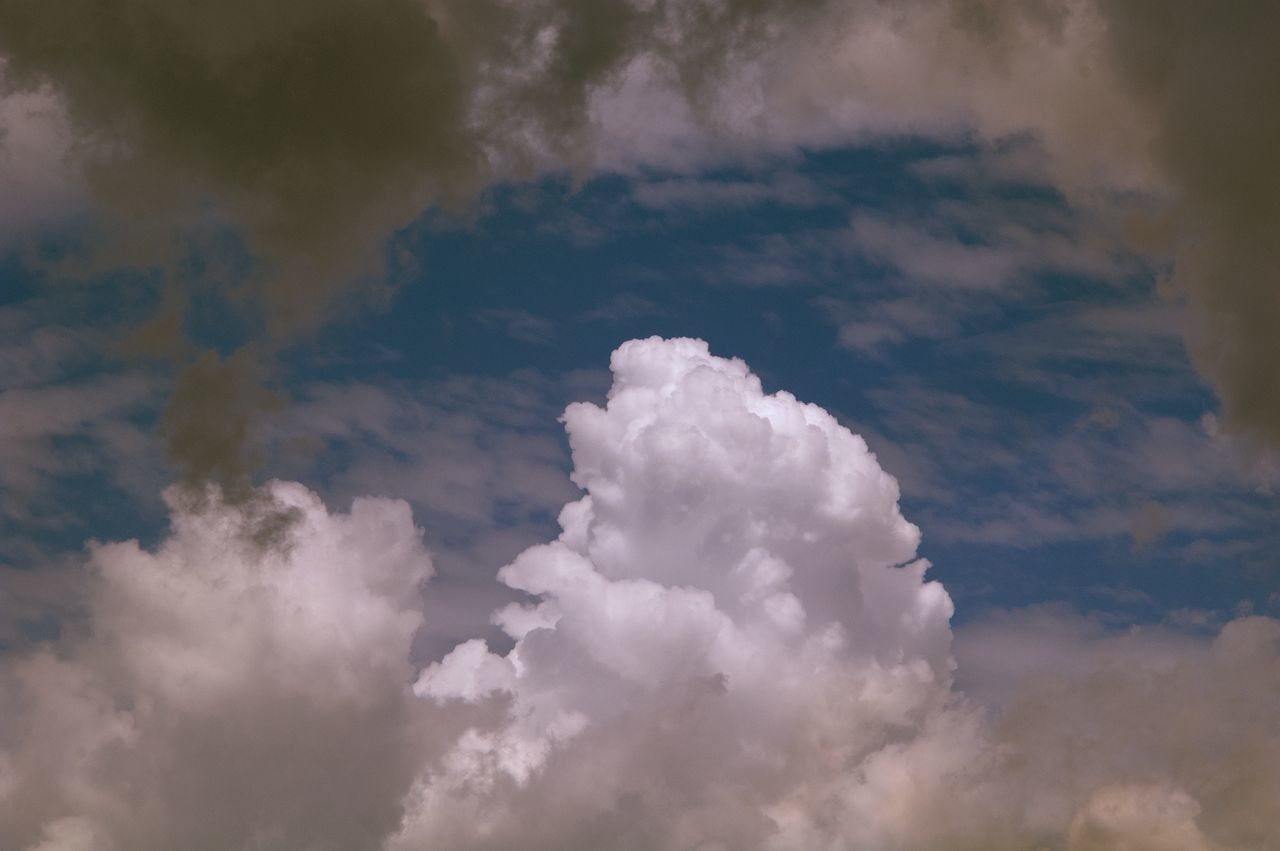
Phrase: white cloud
[729,645]
[225,697]
[730,578]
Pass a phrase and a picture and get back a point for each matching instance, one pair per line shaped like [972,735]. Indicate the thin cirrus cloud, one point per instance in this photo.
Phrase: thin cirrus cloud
[63,418]
[731,644]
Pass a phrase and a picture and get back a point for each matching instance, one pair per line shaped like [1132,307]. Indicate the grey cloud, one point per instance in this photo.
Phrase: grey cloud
[317,128]
[1146,709]
[1206,72]
[37,191]
[209,419]
[321,126]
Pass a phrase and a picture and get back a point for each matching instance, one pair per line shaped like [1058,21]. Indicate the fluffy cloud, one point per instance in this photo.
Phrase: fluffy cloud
[730,644]
[732,605]
[729,647]
[223,697]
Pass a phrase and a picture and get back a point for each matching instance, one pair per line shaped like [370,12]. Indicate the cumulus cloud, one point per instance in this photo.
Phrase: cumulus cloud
[738,572]
[220,697]
[1148,737]
[731,644]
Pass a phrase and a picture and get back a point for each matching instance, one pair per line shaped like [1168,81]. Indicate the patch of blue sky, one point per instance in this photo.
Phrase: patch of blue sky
[1003,352]
[1065,351]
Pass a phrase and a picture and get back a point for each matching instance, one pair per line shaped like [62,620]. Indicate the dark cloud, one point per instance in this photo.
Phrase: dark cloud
[208,419]
[317,128]
[316,124]
[1207,72]
[320,126]
[314,129]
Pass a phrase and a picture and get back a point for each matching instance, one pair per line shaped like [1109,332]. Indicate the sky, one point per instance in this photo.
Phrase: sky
[639,424]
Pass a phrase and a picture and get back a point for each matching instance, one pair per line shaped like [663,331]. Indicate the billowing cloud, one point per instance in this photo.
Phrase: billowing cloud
[731,644]
[729,647]
[732,605]
[221,697]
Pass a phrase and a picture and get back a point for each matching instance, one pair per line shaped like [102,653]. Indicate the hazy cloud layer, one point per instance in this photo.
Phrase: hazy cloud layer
[67,419]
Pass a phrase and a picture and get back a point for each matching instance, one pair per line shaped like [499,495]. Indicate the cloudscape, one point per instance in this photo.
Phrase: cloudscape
[661,425]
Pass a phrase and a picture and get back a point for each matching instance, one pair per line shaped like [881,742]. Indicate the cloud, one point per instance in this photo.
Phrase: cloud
[219,697]
[737,572]
[1204,72]
[520,325]
[315,130]
[676,193]
[37,190]
[319,128]
[938,271]
[52,434]
[1068,446]
[479,460]
[1149,736]
[1162,100]
[730,644]
[694,673]
[312,131]
[317,125]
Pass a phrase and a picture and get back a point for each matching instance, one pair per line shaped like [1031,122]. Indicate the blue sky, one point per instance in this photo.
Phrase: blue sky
[1032,394]
[1007,357]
